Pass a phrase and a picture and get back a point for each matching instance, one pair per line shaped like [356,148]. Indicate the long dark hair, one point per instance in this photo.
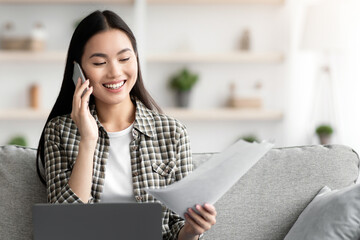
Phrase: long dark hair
[92,24]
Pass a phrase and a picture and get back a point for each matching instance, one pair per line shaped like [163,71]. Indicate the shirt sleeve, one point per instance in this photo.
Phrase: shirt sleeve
[57,168]
[185,166]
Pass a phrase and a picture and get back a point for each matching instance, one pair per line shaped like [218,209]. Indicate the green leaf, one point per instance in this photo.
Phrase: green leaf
[184,80]
[18,140]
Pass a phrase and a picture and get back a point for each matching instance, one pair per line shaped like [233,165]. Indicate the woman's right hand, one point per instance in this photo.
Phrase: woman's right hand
[80,113]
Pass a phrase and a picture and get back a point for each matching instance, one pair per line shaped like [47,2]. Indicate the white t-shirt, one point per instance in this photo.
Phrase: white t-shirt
[118,186]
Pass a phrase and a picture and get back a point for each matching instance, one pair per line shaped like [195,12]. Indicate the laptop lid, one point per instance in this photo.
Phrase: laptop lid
[97,221]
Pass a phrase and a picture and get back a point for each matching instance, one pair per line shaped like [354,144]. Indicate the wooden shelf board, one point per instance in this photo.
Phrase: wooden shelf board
[179,113]
[235,57]
[267,2]
[272,2]
[66,1]
[31,56]
[223,114]
[24,114]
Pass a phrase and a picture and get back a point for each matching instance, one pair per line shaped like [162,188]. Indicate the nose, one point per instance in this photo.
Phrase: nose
[115,69]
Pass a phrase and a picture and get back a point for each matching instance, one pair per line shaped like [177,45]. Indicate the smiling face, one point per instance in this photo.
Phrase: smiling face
[109,62]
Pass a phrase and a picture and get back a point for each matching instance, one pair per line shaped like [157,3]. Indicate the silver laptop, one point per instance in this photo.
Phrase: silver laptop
[128,221]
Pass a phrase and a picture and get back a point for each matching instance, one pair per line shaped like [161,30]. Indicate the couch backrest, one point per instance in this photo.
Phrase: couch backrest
[266,201]
[20,188]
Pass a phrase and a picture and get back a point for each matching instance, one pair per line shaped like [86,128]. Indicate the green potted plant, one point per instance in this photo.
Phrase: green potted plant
[182,83]
[324,133]
[18,140]
[250,138]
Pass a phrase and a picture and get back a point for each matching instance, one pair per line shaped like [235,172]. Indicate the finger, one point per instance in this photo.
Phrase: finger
[210,208]
[86,98]
[81,88]
[209,216]
[197,230]
[199,220]
[77,86]
[78,83]
[78,94]
[75,102]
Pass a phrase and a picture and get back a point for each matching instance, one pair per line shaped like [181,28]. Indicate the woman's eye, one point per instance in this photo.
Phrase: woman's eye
[124,59]
[98,64]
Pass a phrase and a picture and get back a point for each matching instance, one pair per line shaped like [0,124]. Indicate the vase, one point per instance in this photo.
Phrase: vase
[183,98]
[324,139]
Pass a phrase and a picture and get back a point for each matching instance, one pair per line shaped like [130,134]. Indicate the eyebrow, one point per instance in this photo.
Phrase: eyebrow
[104,55]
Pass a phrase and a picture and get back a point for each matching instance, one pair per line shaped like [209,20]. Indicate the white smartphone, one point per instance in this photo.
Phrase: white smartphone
[78,73]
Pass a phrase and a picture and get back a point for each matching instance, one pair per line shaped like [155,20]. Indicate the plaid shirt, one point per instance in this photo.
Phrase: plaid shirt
[160,155]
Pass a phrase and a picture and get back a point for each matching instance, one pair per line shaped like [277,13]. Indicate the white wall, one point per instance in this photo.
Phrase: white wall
[303,76]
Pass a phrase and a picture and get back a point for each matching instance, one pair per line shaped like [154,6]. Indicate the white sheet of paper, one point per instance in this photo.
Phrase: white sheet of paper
[212,179]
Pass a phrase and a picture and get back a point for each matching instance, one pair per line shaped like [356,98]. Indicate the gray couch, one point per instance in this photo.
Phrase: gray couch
[264,204]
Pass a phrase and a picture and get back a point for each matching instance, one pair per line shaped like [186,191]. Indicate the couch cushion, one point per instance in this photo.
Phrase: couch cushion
[20,189]
[331,215]
[267,200]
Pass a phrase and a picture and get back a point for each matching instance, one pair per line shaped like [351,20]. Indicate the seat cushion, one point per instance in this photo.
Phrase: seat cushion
[20,188]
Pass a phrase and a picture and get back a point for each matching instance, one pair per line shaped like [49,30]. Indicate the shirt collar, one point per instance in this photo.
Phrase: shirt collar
[144,119]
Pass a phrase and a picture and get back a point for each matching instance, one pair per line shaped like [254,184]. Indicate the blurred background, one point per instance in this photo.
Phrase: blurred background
[280,70]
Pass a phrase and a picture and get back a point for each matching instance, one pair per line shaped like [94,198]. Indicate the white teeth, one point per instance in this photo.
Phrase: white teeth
[114,86]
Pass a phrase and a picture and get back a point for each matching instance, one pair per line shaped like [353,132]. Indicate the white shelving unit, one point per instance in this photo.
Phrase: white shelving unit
[244,57]
[229,122]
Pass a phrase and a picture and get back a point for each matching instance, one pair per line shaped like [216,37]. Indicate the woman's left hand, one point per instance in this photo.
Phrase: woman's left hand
[198,222]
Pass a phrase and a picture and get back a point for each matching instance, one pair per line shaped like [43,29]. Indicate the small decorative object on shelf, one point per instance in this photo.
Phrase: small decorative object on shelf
[35,96]
[245,41]
[10,40]
[244,102]
[38,38]
[324,133]
[183,82]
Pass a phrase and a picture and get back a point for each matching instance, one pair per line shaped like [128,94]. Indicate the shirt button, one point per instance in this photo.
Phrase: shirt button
[135,133]
[133,148]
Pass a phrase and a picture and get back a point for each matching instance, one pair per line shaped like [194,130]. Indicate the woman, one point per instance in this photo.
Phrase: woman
[111,143]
